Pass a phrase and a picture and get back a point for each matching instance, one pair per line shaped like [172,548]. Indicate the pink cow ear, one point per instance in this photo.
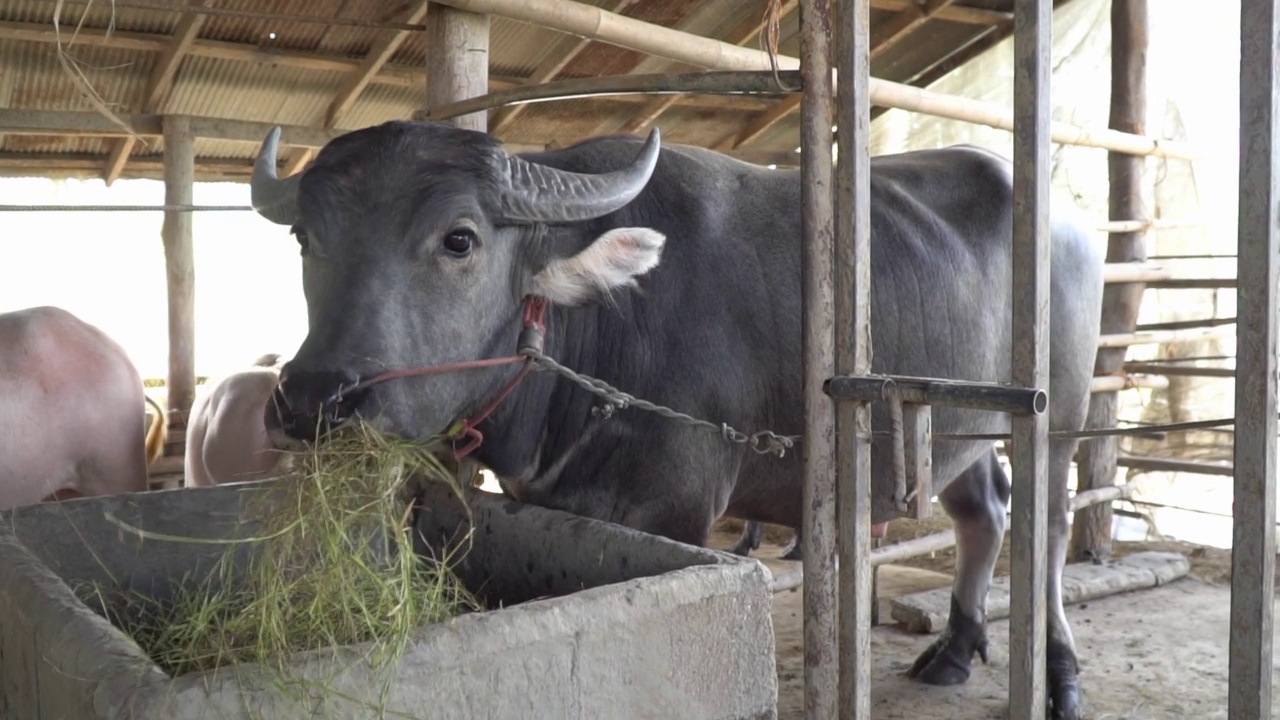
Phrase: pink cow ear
[612,262]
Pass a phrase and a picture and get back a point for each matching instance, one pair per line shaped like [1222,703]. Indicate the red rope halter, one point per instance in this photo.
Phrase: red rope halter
[531,336]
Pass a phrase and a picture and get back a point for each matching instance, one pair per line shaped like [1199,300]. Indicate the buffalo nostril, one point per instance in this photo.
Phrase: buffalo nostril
[306,404]
[342,405]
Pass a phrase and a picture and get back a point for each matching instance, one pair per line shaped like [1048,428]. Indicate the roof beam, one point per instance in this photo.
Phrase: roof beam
[395,75]
[378,55]
[561,54]
[221,50]
[954,13]
[981,42]
[891,33]
[699,24]
[72,123]
[357,80]
[741,35]
[160,83]
[221,169]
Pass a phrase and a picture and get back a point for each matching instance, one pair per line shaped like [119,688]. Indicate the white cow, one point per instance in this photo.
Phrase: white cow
[226,438]
[69,404]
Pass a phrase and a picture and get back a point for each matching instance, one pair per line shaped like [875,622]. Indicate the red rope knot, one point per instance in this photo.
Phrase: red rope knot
[533,334]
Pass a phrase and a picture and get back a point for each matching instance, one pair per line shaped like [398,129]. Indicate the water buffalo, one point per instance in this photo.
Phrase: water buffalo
[226,437]
[673,273]
[69,420]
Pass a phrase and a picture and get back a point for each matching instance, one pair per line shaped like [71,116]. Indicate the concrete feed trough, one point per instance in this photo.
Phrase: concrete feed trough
[587,620]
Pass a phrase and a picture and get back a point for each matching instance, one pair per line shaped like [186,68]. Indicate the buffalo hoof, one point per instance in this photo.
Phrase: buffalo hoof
[1064,682]
[793,551]
[742,547]
[948,660]
[750,539]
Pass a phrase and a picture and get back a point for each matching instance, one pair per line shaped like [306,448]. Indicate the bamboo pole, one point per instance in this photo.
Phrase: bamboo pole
[1130,226]
[1193,284]
[1186,324]
[946,539]
[1134,272]
[1180,466]
[1163,337]
[594,23]
[1176,371]
[1116,383]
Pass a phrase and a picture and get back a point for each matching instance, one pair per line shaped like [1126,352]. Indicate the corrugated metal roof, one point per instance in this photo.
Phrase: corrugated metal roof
[237,70]
[39,80]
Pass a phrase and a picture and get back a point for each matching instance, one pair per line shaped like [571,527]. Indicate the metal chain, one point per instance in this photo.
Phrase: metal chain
[765,442]
[768,442]
[123,208]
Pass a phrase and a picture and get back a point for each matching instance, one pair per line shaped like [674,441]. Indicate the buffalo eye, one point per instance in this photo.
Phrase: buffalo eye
[459,242]
[300,234]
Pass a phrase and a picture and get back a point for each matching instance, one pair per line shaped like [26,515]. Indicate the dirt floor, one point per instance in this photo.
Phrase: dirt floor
[1145,655]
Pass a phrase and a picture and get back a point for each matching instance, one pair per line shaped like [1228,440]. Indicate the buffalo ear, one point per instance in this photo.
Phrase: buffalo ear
[612,262]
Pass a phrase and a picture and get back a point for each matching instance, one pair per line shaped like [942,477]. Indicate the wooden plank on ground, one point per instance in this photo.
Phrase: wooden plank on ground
[926,612]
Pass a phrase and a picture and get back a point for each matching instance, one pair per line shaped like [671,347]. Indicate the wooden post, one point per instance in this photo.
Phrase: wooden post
[457,61]
[179,181]
[1028,525]
[822,662]
[1253,536]
[853,351]
[1091,534]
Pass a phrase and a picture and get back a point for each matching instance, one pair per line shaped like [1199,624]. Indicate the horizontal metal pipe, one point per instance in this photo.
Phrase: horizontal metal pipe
[730,82]
[972,395]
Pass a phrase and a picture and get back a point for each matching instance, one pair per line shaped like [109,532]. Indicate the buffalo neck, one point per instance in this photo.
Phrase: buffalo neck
[535,432]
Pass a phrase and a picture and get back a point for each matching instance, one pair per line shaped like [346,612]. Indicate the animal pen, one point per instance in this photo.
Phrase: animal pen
[657,64]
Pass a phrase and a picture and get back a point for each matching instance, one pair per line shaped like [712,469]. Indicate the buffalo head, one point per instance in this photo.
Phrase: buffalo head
[418,242]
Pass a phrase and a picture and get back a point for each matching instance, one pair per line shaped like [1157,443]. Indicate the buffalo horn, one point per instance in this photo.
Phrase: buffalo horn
[273,198]
[537,193]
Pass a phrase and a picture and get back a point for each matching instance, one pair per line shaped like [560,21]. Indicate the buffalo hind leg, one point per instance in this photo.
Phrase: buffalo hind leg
[749,541]
[976,502]
[1061,664]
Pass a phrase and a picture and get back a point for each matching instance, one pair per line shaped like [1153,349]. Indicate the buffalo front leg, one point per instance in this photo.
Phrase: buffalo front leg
[1061,665]
[976,502]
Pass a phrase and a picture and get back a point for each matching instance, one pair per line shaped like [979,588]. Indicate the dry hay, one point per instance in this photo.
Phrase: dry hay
[332,566]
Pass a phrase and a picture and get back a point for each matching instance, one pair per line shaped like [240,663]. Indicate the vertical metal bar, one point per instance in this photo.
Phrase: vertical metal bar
[853,354]
[1031,48]
[1253,544]
[819,522]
